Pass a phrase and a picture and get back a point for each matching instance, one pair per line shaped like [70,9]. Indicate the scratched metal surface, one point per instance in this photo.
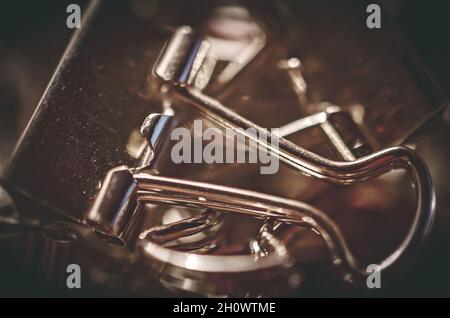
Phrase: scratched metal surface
[82,125]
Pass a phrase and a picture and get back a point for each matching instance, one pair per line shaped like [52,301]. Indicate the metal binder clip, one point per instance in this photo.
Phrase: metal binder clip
[182,65]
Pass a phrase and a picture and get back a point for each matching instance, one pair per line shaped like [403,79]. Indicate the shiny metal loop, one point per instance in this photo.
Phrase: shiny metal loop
[306,162]
[341,172]
[180,62]
[226,199]
[148,188]
[194,225]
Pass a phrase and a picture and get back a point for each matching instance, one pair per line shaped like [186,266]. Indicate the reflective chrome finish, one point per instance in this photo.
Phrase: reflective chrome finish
[341,198]
[177,66]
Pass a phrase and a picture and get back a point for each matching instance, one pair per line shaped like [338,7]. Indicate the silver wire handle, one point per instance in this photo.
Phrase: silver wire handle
[175,67]
[149,188]
[340,172]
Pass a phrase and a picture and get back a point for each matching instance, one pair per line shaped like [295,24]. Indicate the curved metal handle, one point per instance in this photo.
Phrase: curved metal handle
[341,172]
[157,189]
[115,214]
[182,56]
